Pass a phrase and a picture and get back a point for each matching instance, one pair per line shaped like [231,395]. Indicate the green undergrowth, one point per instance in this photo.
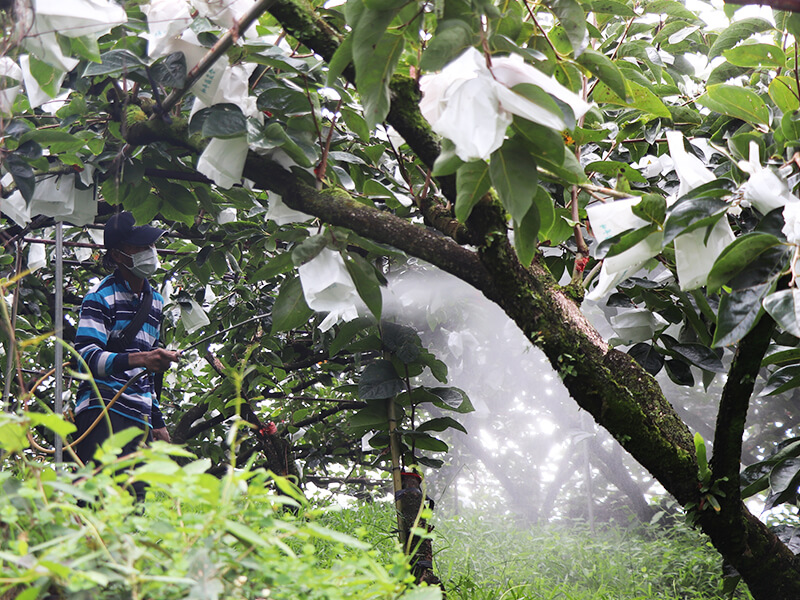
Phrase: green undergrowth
[486,557]
[247,535]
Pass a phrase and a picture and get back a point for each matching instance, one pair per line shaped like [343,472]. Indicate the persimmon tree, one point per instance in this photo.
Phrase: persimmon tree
[563,152]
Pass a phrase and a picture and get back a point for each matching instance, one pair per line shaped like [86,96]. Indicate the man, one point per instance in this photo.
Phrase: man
[115,355]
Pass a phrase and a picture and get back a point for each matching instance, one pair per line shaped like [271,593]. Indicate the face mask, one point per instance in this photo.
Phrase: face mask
[144,264]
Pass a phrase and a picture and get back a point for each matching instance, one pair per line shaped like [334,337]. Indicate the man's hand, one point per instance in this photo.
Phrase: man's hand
[162,435]
[157,360]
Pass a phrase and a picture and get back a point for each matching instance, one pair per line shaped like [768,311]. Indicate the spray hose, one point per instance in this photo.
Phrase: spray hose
[101,416]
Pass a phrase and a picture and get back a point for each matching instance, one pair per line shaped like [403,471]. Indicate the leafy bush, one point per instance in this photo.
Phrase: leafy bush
[249,534]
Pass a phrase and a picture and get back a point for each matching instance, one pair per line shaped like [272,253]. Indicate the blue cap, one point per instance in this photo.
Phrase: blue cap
[121,230]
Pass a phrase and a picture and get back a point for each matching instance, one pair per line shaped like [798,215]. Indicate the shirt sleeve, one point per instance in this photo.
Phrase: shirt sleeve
[91,340]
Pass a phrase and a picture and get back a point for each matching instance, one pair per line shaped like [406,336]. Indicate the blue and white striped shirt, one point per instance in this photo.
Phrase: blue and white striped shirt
[108,307]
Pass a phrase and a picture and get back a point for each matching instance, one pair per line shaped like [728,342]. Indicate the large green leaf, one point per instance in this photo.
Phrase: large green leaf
[737,102]
[640,97]
[290,309]
[224,121]
[670,7]
[784,480]
[115,62]
[514,177]
[373,75]
[738,313]
[472,182]
[441,424]
[700,356]
[573,20]
[452,37]
[366,282]
[688,214]
[736,32]
[526,233]
[737,256]
[605,70]
[755,56]
[783,91]
[379,381]
[784,307]
[782,380]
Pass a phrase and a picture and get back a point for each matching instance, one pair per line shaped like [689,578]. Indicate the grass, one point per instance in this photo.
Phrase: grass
[486,557]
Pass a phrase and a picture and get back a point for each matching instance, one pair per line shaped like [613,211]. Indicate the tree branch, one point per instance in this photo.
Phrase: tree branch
[733,406]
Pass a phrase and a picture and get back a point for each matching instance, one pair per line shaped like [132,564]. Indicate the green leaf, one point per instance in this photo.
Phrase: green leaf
[783,91]
[613,168]
[573,20]
[688,214]
[277,265]
[356,123]
[472,182]
[366,282]
[670,7]
[452,37]
[617,244]
[679,372]
[784,307]
[736,32]
[373,76]
[611,7]
[245,534]
[781,355]
[380,381]
[55,423]
[13,437]
[782,380]
[737,102]
[542,142]
[755,56]
[702,461]
[441,424]
[423,441]
[340,60]
[447,162]
[309,249]
[274,136]
[177,201]
[784,480]
[86,46]
[738,313]
[46,76]
[450,398]
[170,71]
[549,107]
[284,101]
[224,121]
[604,69]
[526,233]
[115,62]
[652,207]
[737,256]
[290,310]
[514,177]
[700,356]
[640,97]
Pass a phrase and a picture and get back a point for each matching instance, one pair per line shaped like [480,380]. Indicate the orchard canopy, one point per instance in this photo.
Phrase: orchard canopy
[638,156]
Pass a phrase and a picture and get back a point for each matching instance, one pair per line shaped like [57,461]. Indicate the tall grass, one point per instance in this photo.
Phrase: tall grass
[489,557]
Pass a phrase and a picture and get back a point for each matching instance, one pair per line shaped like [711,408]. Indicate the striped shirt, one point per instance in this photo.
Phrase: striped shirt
[108,307]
